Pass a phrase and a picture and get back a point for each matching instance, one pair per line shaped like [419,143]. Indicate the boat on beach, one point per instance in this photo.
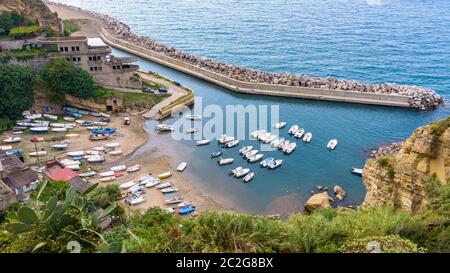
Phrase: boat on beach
[127,185]
[118,168]
[95,158]
[95,137]
[332,144]
[293,129]
[107,179]
[115,152]
[107,173]
[11,140]
[182,166]
[87,174]
[164,185]
[173,200]
[72,135]
[135,200]
[69,119]
[52,117]
[134,168]
[112,145]
[225,161]
[74,167]
[36,154]
[76,153]
[169,190]
[184,204]
[57,125]
[164,175]
[151,183]
[308,137]
[98,149]
[59,130]
[92,152]
[203,142]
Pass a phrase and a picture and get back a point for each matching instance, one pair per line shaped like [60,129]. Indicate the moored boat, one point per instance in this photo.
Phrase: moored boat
[255,158]
[169,190]
[357,171]
[39,129]
[308,137]
[182,166]
[275,164]
[248,154]
[299,133]
[193,117]
[279,125]
[118,168]
[115,152]
[242,172]
[59,147]
[36,154]
[293,129]
[266,162]
[191,130]
[249,177]
[164,185]
[225,161]
[203,142]
[10,140]
[332,144]
[107,173]
[87,174]
[165,127]
[224,139]
[245,149]
[232,143]
[216,154]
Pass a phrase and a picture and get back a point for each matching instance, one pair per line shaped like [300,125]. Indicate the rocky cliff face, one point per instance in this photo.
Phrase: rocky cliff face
[399,179]
[34,10]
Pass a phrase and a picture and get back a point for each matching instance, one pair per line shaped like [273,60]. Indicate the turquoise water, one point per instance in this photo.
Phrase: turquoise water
[406,42]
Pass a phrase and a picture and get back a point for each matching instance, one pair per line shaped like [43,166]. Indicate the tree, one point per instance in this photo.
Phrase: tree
[103,197]
[16,90]
[8,20]
[63,78]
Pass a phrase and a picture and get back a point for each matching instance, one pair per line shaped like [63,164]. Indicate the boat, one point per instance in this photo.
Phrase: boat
[332,144]
[10,140]
[225,161]
[5,147]
[19,128]
[165,127]
[87,174]
[357,171]
[249,177]
[127,185]
[250,153]
[224,139]
[58,130]
[279,125]
[107,173]
[67,162]
[69,125]
[164,185]
[264,136]
[92,152]
[76,153]
[69,119]
[99,149]
[57,125]
[242,172]
[95,137]
[184,204]
[245,149]
[134,168]
[269,139]
[182,166]
[203,142]
[95,114]
[255,134]
[119,174]
[235,170]
[144,177]
[115,152]
[216,154]
[299,133]
[191,130]
[74,167]
[95,158]
[185,210]
[36,154]
[169,190]
[151,183]
[283,144]
[232,143]
[112,145]
[293,129]
[103,131]
[255,158]
[59,147]
[17,132]
[173,200]
[52,117]
[118,168]
[290,148]
[39,129]
[136,200]
[37,139]
[164,175]
[308,137]
[72,135]
[276,142]
[193,117]
[275,164]
[266,162]
[86,123]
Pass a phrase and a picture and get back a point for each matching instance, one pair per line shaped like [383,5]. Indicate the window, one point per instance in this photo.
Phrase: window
[78,59]
[73,48]
[90,58]
[99,68]
[91,68]
[61,49]
[114,67]
[95,68]
[68,59]
[66,49]
[77,48]
[74,59]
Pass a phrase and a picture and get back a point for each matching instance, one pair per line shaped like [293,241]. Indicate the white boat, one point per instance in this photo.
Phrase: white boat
[203,142]
[357,171]
[164,175]
[69,125]
[33,116]
[232,143]
[58,130]
[10,140]
[249,177]
[80,121]
[247,155]
[127,185]
[245,149]
[255,158]
[263,136]
[266,162]
[69,119]
[332,144]
[87,174]
[308,137]
[115,152]
[113,145]
[299,133]
[165,127]
[137,200]
[76,153]
[290,148]
[242,172]
[17,132]
[52,117]
[193,117]
[59,146]
[270,139]
[95,158]
[118,168]
[255,134]
[107,173]
[224,139]
[164,185]
[107,179]
[182,166]
[275,164]
[92,152]
[151,183]
[191,130]
[169,190]
[134,168]
[276,142]
[57,125]
[144,177]
[74,167]
[293,129]
[67,162]
[36,154]
[225,161]
[283,144]
[6,147]
[72,135]
[184,204]
[39,129]
[279,125]
[98,149]
[173,200]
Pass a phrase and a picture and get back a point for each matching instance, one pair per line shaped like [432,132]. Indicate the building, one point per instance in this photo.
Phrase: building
[7,196]
[55,171]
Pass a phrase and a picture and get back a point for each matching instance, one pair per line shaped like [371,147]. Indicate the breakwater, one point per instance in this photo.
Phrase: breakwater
[246,80]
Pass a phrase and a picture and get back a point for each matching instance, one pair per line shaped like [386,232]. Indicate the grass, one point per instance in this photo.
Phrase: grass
[152,85]
[30,53]
[25,31]
[128,97]
[70,27]
[383,161]
[439,127]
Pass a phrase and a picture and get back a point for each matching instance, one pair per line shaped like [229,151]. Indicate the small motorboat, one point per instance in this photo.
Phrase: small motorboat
[57,125]
[69,119]
[103,131]
[290,148]
[107,173]
[37,139]
[232,143]
[144,177]
[165,127]
[19,128]
[332,144]
[164,185]
[283,144]
[245,149]
[164,175]
[225,161]
[10,140]
[276,142]
[182,166]
[249,177]
[235,170]
[250,153]
[74,167]
[193,117]
[5,147]
[59,130]
[308,137]
[255,134]
[357,171]
[107,179]
[269,139]
[127,185]
[115,152]
[299,133]
[169,190]
[52,117]
[70,125]
[216,154]
[134,168]
[203,142]
[224,139]
[279,125]
[255,158]
[95,137]
[118,168]
[293,129]
[173,200]
[76,153]
[67,162]
[266,162]
[275,164]
[36,154]
[185,210]
[242,172]
[98,149]
[87,174]
[119,174]
[264,136]
[112,145]
[184,204]
[92,152]
[151,183]
[17,132]
[95,158]
[39,129]
[191,130]
[136,201]
[72,135]
[86,123]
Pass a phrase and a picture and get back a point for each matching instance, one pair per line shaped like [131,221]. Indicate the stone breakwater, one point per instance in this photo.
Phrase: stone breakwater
[419,97]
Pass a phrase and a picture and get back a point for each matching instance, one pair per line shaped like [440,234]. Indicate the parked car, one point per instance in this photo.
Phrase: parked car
[163,90]
[148,90]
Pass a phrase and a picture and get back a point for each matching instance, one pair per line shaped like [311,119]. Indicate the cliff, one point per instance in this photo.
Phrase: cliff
[34,10]
[399,179]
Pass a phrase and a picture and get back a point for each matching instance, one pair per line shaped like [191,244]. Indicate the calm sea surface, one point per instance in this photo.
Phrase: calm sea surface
[401,41]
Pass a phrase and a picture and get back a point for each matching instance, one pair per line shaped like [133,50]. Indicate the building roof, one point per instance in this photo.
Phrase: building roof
[20,177]
[79,184]
[56,172]
[9,161]
[68,39]
[4,189]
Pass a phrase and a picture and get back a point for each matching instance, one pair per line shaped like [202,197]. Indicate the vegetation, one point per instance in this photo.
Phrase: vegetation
[439,127]
[104,197]
[101,94]
[25,31]
[383,161]
[28,52]
[70,27]
[9,20]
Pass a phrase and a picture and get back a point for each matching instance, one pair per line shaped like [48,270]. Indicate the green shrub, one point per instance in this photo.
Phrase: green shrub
[70,27]
[439,127]
[379,244]
[25,31]
[383,161]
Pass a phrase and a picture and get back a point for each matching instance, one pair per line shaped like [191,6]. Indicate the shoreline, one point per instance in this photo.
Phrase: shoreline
[244,80]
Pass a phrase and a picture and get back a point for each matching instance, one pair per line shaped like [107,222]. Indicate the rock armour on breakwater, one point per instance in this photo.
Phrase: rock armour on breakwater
[420,98]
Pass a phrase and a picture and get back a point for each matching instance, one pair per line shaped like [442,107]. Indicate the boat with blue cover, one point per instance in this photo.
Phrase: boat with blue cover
[108,130]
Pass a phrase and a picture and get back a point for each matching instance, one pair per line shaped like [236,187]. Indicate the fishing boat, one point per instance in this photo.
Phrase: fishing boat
[275,164]
[72,135]
[242,172]
[225,161]
[151,183]
[107,173]
[59,147]
[164,175]
[245,149]
[299,133]
[173,200]
[255,158]
[118,168]
[232,143]
[134,168]
[165,127]
[87,174]
[279,125]
[249,177]
[185,210]
[293,129]
[76,153]
[308,137]
[112,145]
[136,200]
[216,154]
[193,117]
[357,171]
[247,155]
[164,185]
[57,125]
[59,130]
[266,162]
[10,140]
[95,137]
[182,166]
[39,129]
[69,119]
[184,204]
[224,139]
[332,144]
[36,154]
[191,130]
[95,158]
[203,142]
[127,185]
[169,190]
[115,152]
[290,148]
[74,167]
[52,117]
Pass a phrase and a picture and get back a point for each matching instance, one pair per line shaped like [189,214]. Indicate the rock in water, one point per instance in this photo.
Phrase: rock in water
[318,201]
[339,192]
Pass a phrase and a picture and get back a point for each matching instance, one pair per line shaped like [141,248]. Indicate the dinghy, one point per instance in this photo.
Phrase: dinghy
[59,147]
[36,154]
[224,139]
[59,130]
[275,164]
[87,174]
[165,127]
[151,183]
[57,125]
[173,200]
[69,119]
[203,142]
[266,162]
[144,177]
[67,162]
[232,143]
[279,125]
[225,161]
[290,148]
[17,132]
[250,153]
[283,144]
[255,158]
[107,179]
[72,135]
[76,153]
[242,172]
[74,167]
[235,170]
[107,173]
[92,152]
[10,140]
[135,200]
[332,144]
[276,142]
[182,166]
[191,130]
[39,129]
[164,175]
[95,137]
[293,129]
[308,137]
[98,149]
[95,158]
[127,185]
[184,204]
[112,145]
[216,154]
[169,190]
[52,117]
[115,152]
[164,185]
[269,139]
[118,168]
[299,133]
[249,177]
[186,210]
[245,149]
[134,168]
